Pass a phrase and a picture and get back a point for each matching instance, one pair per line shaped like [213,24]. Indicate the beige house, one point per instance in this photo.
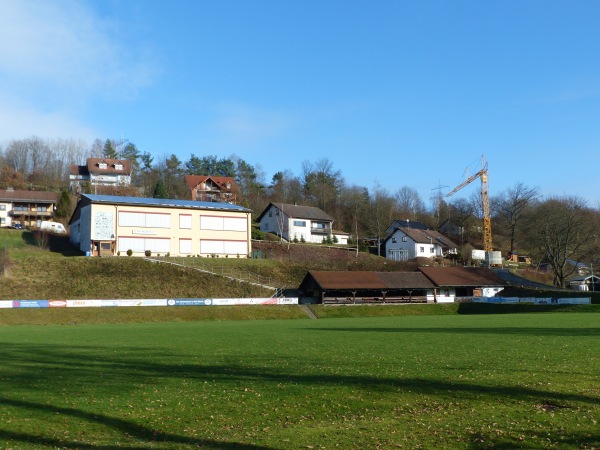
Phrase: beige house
[107,225]
[26,208]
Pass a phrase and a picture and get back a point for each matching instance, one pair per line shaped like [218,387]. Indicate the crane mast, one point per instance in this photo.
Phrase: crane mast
[485,202]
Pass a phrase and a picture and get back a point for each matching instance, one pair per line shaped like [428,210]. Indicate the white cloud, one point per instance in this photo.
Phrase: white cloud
[64,45]
[56,59]
[19,121]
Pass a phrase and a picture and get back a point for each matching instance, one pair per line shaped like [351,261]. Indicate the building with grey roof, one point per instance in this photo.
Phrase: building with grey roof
[299,222]
[109,225]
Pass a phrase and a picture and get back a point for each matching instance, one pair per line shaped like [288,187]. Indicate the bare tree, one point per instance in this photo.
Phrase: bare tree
[15,156]
[353,210]
[511,205]
[96,149]
[561,232]
[285,188]
[381,214]
[409,203]
[460,211]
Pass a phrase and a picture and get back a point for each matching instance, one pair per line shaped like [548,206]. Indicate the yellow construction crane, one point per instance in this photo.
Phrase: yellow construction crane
[485,202]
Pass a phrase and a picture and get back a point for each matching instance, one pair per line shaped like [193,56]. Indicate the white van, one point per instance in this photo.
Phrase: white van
[53,227]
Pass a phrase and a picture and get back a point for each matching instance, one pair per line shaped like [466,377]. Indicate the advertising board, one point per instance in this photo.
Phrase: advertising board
[30,304]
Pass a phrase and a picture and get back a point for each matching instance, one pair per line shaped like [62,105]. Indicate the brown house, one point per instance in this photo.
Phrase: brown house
[27,208]
[207,188]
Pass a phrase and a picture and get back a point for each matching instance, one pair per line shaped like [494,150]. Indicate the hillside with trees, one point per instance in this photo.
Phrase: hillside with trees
[557,230]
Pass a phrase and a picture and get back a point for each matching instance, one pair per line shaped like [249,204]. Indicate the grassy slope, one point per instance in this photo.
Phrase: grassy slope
[58,273]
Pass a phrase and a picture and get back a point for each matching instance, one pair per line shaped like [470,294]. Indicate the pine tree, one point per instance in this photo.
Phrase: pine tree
[63,206]
[109,151]
[160,191]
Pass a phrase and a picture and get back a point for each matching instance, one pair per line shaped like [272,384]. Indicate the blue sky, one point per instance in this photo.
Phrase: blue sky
[395,93]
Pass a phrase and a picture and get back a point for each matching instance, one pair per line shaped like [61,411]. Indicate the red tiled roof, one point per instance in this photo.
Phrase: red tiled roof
[194,180]
[92,165]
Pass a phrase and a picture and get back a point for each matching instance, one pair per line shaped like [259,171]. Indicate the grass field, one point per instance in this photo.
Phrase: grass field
[519,381]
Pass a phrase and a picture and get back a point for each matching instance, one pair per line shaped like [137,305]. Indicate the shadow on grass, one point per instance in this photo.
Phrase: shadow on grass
[128,428]
[55,243]
[43,368]
[29,238]
[54,365]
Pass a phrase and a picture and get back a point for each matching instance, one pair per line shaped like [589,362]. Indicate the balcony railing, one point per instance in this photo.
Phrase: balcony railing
[325,231]
[30,213]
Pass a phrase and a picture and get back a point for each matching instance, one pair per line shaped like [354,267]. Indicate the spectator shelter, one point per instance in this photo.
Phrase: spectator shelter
[361,287]
[429,284]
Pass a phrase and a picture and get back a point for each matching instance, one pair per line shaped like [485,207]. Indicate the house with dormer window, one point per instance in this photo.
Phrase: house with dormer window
[298,222]
[207,188]
[100,172]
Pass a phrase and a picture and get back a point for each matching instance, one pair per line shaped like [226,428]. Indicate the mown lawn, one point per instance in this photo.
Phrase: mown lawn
[527,381]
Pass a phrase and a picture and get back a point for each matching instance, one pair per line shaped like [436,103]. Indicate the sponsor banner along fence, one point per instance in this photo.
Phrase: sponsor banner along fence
[146,302]
[535,301]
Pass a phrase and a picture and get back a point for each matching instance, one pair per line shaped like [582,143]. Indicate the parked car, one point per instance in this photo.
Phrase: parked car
[17,226]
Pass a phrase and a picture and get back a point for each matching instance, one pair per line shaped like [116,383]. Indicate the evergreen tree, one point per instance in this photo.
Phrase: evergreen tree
[160,191]
[210,165]
[110,150]
[132,154]
[63,207]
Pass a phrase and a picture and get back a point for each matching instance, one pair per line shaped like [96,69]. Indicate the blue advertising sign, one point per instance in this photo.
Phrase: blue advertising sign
[189,302]
[30,304]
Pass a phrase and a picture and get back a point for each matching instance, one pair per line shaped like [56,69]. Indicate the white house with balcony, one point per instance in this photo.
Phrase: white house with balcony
[26,208]
[409,243]
[301,223]
[100,172]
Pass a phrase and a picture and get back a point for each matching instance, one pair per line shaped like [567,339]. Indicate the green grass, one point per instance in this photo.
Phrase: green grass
[88,278]
[519,381]
[124,315]
[60,272]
